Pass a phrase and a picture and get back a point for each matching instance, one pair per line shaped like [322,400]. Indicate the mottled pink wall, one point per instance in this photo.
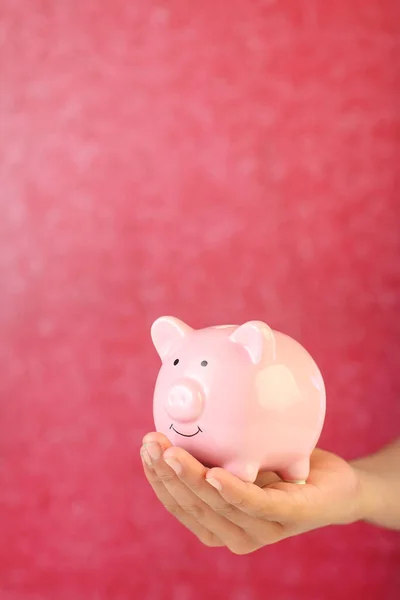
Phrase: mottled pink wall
[220,161]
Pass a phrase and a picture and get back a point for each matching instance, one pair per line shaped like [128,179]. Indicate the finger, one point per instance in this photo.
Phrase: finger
[278,502]
[229,533]
[157,438]
[205,536]
[193,474]
[266,478]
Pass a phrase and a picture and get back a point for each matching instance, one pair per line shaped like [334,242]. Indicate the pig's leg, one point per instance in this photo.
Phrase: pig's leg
[297,472]
[245,470]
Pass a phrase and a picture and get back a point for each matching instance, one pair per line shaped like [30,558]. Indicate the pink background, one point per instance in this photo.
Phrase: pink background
[220,161]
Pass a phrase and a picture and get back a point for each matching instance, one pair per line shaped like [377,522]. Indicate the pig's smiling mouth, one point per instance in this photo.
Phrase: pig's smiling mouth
[185,434]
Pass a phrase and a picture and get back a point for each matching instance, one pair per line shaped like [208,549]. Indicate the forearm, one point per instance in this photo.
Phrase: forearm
[379,477]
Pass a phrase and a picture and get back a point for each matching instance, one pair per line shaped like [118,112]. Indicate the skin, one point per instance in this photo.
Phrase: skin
[221,510]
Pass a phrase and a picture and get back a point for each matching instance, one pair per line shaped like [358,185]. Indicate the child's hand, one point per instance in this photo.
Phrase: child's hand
[244,517]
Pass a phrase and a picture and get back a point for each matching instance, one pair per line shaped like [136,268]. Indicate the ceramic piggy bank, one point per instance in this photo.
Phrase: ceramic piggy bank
[246,398]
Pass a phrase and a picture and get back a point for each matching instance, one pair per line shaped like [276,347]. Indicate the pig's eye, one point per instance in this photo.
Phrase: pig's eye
[204,363]
[176,361]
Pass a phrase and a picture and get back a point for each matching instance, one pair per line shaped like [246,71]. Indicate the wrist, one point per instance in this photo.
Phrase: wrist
[379,487]
[370,492]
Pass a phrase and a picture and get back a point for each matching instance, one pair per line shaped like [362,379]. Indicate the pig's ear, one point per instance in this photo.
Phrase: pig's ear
[258,339]
[166,333]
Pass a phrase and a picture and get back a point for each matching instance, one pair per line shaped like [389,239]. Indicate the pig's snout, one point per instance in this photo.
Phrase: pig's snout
[185,401]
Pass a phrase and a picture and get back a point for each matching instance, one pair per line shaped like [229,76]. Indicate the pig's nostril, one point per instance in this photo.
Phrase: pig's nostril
[180,398]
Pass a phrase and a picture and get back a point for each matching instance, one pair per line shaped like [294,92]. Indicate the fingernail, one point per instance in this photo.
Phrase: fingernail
[148,439]
[216,484]
[154,450]
[145,455]
[174,464]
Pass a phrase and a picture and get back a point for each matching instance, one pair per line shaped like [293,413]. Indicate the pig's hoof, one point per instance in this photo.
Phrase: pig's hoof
[297,472]
[247,472]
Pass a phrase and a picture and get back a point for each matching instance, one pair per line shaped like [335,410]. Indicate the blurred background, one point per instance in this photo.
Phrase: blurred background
[218,161]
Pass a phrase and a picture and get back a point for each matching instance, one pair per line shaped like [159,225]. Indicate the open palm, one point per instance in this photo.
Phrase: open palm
[222,510]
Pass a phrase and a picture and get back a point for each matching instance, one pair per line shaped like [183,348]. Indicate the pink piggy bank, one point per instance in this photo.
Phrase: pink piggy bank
[246,398]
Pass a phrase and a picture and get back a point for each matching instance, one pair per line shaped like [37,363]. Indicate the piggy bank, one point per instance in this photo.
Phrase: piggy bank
[245,398]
